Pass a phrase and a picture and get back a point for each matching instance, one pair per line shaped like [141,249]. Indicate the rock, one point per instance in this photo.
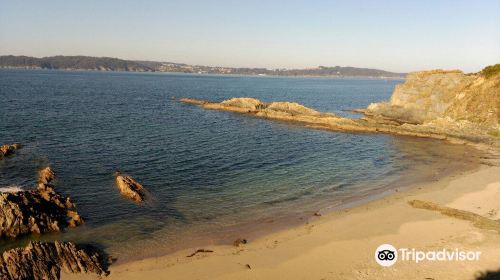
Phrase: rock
[130,188]
[45,261]
[487,275]
[430,95]
[36,211]
[46,175]
[244,103]
[239,241]
[192,101]
[445,105]
[476,219]
[199,251]
[8,149]
[291,108]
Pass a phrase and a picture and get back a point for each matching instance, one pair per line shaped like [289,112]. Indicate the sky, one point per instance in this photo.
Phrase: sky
[399,36]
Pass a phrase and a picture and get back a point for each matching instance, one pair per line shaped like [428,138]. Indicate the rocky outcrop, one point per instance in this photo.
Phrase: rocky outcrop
[8,149]
[448,105]
[130,188]
[36,211]
[46,175]
[451,96]
[274,110]
[45,261]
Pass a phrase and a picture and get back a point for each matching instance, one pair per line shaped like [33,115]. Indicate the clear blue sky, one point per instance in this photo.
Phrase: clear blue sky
[391,35]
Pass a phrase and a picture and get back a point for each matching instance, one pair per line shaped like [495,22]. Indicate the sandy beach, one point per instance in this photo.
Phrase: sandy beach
[304,140]
[341,245]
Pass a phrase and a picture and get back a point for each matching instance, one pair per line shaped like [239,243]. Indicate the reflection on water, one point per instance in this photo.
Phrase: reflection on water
[215,176]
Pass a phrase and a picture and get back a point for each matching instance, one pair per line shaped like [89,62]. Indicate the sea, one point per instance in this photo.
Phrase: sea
[213,176]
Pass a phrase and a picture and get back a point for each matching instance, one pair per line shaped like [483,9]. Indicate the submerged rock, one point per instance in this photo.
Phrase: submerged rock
[130,188]
[192,101]
[36,211]
[8,149]
[45,261]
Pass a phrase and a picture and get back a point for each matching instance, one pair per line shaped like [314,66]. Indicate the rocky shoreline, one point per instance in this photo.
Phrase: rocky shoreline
[445,105]
[37,211]
[42,210]
[45,261]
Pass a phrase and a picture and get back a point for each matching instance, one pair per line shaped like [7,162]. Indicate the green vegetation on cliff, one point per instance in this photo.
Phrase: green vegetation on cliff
[490,71]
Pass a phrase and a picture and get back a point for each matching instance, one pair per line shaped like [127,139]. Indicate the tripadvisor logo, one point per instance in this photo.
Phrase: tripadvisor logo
[387,255]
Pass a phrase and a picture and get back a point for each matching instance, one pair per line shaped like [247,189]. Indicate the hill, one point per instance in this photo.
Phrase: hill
[115,64]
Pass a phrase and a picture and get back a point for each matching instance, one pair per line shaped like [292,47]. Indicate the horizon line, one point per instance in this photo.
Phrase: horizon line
[244,67]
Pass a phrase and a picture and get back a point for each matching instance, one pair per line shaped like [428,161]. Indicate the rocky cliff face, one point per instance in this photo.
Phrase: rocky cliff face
[438,97]
[45,261]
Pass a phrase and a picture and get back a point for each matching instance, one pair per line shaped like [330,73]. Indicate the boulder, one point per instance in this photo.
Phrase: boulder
[8,149]
[130,188]
[46,175]
[45,261]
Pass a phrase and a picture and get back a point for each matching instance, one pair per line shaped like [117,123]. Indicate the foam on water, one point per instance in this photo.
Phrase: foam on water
[11,189]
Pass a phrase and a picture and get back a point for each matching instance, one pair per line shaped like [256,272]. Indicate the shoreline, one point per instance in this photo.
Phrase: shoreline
[272,255]
[296,113]
[253,229]
[212,74]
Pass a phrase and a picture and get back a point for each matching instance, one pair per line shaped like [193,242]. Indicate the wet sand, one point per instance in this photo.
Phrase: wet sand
[341,244]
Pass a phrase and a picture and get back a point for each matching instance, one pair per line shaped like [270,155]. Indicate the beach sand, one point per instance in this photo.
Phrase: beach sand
[341,244]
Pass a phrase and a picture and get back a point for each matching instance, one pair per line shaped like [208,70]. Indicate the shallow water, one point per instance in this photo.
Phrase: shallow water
[213,175]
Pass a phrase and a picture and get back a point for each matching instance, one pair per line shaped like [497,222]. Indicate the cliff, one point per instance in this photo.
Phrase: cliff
[429,96]
[448,105]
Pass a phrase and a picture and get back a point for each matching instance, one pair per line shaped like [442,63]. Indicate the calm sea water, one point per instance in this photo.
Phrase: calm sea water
[214,176]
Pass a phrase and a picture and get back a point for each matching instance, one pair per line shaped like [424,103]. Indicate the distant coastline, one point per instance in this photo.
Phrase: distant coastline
[87,63]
